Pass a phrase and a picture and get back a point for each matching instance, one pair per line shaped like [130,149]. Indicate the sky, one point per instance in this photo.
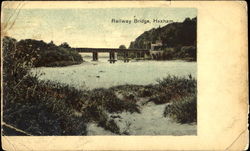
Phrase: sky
[84,27]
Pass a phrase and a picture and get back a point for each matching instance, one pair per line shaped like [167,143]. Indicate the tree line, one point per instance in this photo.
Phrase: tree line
[178,40]
[44,54]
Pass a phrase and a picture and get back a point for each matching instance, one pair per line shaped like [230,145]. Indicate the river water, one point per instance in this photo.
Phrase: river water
[92,74]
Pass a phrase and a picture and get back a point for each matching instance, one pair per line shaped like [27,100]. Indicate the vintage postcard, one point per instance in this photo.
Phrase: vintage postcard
[124,75]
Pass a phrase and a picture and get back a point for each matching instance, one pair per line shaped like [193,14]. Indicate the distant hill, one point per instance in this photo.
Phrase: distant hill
[175,34]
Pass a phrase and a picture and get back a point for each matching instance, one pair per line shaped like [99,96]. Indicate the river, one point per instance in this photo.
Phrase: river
[101,73]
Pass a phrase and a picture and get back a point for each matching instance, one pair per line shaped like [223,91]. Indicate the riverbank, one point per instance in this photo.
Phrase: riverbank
[48,108]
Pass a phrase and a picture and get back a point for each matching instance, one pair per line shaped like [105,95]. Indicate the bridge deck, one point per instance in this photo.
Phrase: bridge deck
[108,50]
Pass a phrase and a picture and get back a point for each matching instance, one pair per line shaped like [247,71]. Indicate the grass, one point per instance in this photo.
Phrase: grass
[183,110]
[174,88]
[62,63]
[107,99]
[49,108]
[168,89]
[179,91]
[110,125]
[38,108]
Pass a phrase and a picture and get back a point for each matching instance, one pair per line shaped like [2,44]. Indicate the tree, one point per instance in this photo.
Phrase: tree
[64,45]
[132,45]
[172,35]
[122,47]
[51,44]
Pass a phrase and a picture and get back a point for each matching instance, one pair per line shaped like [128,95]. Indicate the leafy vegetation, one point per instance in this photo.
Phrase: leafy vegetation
[178,92]
[107,99]
[122,47]
[178,40]
[172,35]
[183,110]
[45,107]
[39,109]
[187,53]
[181,94]
[166,90]
[49,55]
[36,107]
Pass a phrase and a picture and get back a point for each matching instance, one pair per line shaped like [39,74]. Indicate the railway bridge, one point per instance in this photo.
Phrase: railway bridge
[139,53]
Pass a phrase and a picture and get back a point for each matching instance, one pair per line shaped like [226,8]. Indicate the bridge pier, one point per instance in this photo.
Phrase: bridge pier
[142,55]
[95,56]
[112,57]
[135,53]
[138,55]
[125,57]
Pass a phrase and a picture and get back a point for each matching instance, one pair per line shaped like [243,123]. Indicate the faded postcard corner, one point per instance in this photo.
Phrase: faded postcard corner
[241,142]
[8,19]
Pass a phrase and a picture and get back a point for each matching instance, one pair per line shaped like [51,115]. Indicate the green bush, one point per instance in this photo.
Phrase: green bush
[167,89]
[161,98]
[180,52]
[172,87]
[183,110]
[138,90]
[39,108]
[187,52]
[107,99]
[109,125]
[147,91]
[36,107]
[44,54]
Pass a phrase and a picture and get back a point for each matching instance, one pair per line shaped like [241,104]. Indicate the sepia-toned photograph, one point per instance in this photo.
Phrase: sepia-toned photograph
[120,75]
[114,71]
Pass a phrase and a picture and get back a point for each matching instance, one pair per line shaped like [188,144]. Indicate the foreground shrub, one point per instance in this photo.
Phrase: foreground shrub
[160,98]
[96,113]
[107,99]
[38,109]
[109,125]
[167,89]
[147,91]
[138,90]
[184,110]
[173,88]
